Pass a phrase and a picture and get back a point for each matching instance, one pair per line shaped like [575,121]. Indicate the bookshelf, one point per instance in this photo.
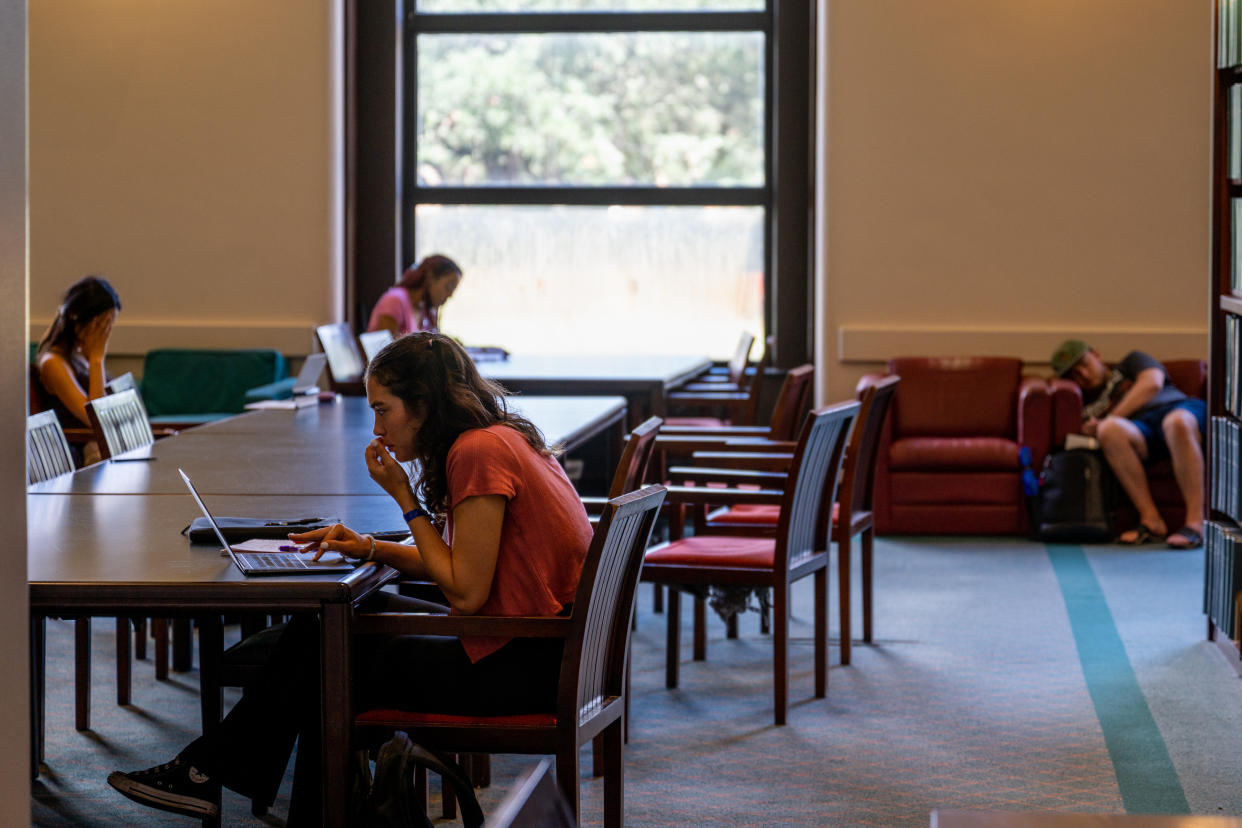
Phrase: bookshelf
[1223,569]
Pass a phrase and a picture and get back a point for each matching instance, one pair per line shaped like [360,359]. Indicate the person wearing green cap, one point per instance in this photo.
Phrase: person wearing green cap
[1139,416]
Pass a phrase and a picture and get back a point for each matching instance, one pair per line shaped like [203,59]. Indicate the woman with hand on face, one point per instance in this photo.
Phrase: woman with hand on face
[70,358]
[413,304]
[514,541]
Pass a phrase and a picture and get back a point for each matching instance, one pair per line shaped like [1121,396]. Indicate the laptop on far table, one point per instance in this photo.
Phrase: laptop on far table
[308,377]
[268,563]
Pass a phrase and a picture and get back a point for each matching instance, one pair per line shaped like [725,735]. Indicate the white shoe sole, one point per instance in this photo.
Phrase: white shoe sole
[163,800]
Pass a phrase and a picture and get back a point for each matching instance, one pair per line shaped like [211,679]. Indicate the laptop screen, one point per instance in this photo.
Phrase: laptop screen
[203,506]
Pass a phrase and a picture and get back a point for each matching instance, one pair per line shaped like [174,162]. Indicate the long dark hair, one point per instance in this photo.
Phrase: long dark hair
[85,299]
[434,376]
[436,265]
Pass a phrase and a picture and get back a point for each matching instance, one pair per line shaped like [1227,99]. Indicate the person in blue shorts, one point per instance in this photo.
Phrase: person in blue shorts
[1139,416]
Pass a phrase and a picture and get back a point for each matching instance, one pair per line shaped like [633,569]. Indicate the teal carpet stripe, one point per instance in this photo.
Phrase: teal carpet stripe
[1145,774]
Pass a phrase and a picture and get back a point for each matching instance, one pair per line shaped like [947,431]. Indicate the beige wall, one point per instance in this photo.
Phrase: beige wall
[999,175]
[14,614]
[190,151]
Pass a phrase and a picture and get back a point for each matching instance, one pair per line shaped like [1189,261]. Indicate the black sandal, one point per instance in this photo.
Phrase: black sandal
[1193,538]
[1142,534]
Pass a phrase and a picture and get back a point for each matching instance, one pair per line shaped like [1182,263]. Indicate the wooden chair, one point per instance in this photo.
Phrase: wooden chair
[47,450]
[372,342]
[47,456]
[120,423]
[875,396]
[777,435]
[800,548]
[346,364]
[591,696]
[534,801]
[732,372]
[38,401]
[738,397]
[632,467]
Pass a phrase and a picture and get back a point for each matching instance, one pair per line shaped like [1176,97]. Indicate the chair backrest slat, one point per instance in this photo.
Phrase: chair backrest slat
[598,644]
[47,451]
[791,401]
[806,512]
[741,357]
[635,458]
[120,422]
[876,398]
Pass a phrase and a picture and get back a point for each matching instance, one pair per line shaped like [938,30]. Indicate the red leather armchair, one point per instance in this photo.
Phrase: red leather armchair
[948,457]
[1190,375]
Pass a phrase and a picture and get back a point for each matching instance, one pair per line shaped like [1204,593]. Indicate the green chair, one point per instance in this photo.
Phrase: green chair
[193,386]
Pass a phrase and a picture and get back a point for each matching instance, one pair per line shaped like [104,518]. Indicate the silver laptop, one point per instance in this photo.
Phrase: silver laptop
[267,563]
[308,377]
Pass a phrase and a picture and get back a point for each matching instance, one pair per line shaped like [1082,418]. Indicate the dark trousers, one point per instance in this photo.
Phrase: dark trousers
[250,749]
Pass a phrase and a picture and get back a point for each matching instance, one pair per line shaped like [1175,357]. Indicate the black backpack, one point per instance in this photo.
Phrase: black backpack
[388,800]
[1077,493]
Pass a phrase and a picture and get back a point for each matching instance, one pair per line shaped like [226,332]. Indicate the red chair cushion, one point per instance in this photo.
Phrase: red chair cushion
[404,717]
[944,453]
[696,422]
[717,550]
[759,514]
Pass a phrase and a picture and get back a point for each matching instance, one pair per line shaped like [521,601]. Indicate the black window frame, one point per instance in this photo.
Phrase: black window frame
[383,190]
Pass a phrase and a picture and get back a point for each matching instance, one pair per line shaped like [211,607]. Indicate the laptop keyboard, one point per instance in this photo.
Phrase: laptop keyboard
[269,561]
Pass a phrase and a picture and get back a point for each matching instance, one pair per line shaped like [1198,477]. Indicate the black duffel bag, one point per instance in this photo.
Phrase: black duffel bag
[1077,493]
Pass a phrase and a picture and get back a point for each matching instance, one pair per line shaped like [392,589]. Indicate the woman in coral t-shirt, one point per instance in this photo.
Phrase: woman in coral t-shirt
[413,304]
[514,541]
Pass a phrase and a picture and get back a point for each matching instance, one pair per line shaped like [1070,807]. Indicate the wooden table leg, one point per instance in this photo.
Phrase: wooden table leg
[182,645]
[38,684]
[337,711]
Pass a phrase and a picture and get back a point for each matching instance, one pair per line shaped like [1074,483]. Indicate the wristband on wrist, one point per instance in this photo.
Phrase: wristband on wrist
[370,554]
[415,514]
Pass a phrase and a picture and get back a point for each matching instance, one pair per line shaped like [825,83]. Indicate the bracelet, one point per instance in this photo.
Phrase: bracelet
[415,514]
[370,554]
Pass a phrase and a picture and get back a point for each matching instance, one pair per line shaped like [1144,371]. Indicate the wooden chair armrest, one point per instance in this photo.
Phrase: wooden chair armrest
[669,431]
[758,460]
[418,623]
[722,397]
[721,497]
[703,475]
[684,445]
[593,505]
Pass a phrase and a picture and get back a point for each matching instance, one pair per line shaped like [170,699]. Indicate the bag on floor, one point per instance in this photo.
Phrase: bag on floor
[388,800]
[1076,498]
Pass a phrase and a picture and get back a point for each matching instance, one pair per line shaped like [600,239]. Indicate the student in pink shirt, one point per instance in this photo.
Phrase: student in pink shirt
[514,539]
[413,304]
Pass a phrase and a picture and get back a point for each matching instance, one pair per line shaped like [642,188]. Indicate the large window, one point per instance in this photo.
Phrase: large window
[601,169]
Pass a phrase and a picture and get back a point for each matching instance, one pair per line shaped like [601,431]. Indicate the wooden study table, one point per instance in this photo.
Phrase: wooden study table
[123,555]
[313,451]
[105,541]
[644,380]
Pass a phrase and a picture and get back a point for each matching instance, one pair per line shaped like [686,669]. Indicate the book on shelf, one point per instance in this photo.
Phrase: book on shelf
[1221,575]
[1228,39]
[1233,119]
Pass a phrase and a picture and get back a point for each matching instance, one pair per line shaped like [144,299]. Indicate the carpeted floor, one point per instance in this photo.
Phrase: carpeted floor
[1006,675]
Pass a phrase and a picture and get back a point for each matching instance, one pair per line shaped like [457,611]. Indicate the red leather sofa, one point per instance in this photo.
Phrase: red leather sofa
[948,458]
[1190,375]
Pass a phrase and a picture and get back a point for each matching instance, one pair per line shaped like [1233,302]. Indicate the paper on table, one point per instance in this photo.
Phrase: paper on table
[288,405]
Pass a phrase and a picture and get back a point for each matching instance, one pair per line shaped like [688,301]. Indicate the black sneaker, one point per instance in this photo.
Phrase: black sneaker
[175,786]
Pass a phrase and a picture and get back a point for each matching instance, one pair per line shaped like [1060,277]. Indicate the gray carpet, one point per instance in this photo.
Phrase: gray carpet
[975,695]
